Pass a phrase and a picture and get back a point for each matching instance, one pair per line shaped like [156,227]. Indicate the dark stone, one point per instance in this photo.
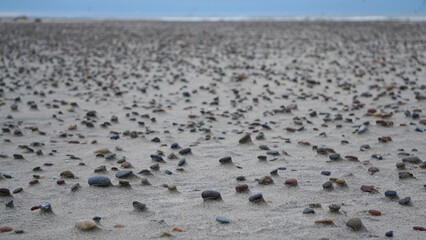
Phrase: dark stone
[405,201]
[99,181]
[124,174]
[256,198]
[328,185]
[139,206]
[225,160]
[334,156]
[391,194]
[308,211]
[211,195]
[185,151]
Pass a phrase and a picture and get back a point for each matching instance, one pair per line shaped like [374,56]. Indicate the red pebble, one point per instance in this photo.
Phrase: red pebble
[419,228]
[35,208]
[291,181]
[60,181]
[5,229]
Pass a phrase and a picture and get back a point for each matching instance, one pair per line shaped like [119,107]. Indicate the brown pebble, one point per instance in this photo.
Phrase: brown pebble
[291,181]
[366,188]
[67,174]
[60,182]
[241,188]
[324,221]
[35,181]
[18,190]
[374,212]
[5,229]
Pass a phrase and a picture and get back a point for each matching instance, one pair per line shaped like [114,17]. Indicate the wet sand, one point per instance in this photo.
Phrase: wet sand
[314,89]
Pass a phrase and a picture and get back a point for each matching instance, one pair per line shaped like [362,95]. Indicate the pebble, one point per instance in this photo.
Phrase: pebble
[85,224]
[100,169]
[326,173]
[405,201]
[225,160]
[182,162]
[67,174]
[185,151]
[60,182]
[354,223]
[334,156]
[389,234]
[272,152]
[245,139]
[241,178]
[5,229]
[99,181]
[374,212]
[4,192]
[124,174]
[412,159]
[291,182]
[9,204]
[222,220]
[45,207]
[256,198]
[324,221]
[334,207]
[391,194]
[265,180]
[328,185]
[168,172]
[96,218]
[211,195]
[157,158]
[308,211]
[139,206]
[241,188]
[367,188]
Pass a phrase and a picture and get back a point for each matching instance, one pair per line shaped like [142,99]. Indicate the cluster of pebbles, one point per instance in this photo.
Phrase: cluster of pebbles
[240,130]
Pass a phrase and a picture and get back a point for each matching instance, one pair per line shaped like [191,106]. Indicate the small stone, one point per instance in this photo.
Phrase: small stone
[4,192]
[314,205]
[75,187]
[185,151]
[245,139]
[265,180]
[241,188]
[256,198]
[308,211]
[9,204]
[391,194]
[404,175]
[412,159]
[324,221]
[18,156]
[172,156]
[155,167]
[328,185]
[222,220]
[99,181]
[341,182]
[374,212]
[225,160]
[177,229]
[18,190]
[5,229]
[35,181]
[172,187]
[373,169]
[273,152]
[211,195]
[139,206]
[124,174]
[96,218]
[417,228]
[145,182]
[100,169]
[334,207]
[182,162]
[326,173]
[19,231]
[124,183]
[174,145]
[60,182]
[45,207]
[102,151]
[405,201]
[157,158]
[354,223]
[241,178]
[366,188]
[334,156]
[291,182]
[168,172]
[85,224]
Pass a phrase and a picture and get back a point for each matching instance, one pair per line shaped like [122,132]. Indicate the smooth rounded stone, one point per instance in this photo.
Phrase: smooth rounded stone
[182,162]
[75,187]
[85,224]
[412,159]
[126,165]
[366,188]
[265,180]
[374,212]
[373,169]
[18,190]
[326,173]
[260,136]
[124,183]
[45,207]
[174,145]
[6,229]
[18,156]
[324,221]
[256,198]
[222,220]
[124,174]
[172,187]
[341,182]
[334,207]
[308,211]
[156,158]
[139,206]
[168,172]
[241,188]
[4,192]
[404,175]
[405,201]
[355,224]
[60,182]
[273,152]
[225,160]
[322,151]
[334,156]
[9,204]
[67,174]
[19,231]
[99,181]
[241,178]
[145,172]
[100,169]
[261,158]
[96,218]
[391,194]
[389,234]
[291,182]
[110,156]
[328,185]
[400,165]
[211,195]
[245,139]
[185,151]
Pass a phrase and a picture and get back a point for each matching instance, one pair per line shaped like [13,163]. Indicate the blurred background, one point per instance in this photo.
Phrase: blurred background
[210,8]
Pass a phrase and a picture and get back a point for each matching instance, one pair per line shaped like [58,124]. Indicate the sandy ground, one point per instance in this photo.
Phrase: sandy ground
[204,85]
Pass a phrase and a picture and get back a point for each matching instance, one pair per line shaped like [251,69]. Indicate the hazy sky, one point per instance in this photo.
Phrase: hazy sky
[184,8]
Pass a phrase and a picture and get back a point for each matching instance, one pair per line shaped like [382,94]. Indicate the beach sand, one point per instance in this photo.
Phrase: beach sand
[70,88]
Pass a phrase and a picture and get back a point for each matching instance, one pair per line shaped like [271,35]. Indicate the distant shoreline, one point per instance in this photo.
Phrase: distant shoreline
[227,19]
